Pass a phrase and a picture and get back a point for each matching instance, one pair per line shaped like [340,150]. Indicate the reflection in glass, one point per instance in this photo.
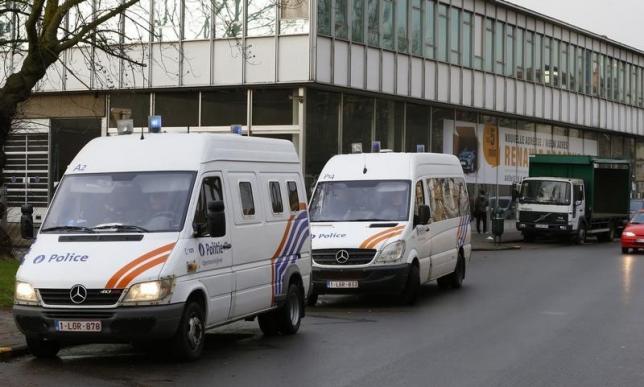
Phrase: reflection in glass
[373,22]
[324,17]
[321,131]
[341,23]
[454,35]
[357,22]
[224,107]
[417,129]
[167,20]
[441,43]
[197,14]
[228,18]
[389,124]
[388,24]
[428,26]
[294,17]
[261,18]
[415,24]
[356,122]
[401,24]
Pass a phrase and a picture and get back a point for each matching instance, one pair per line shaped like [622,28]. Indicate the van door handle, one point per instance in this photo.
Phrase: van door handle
[226,246]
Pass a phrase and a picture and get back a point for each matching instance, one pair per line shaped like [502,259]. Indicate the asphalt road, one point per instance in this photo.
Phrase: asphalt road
[552,315]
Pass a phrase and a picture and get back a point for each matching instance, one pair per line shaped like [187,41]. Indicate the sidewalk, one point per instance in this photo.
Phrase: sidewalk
[12,342]
[509,239]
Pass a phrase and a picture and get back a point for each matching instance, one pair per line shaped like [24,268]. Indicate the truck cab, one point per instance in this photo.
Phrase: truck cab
[550,205]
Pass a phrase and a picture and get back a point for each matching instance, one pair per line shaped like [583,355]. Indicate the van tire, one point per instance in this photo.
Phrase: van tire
[188,342]
[285,319]
[41,348]
[290,314]
[312,299]
[412,287]
[455,279]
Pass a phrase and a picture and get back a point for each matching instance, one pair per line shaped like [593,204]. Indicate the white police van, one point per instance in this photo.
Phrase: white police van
[388,222]
[165,237]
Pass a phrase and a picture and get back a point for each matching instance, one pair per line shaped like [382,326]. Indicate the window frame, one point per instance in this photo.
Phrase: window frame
[296,204]
[241,199]
[275,195]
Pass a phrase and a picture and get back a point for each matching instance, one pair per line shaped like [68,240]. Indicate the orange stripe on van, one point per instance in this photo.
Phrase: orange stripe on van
[383,237]
[135,273]
[367,241]
[111,283]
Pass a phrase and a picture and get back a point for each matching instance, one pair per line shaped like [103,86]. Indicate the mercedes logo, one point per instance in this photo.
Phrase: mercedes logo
[342,256]
[78,294]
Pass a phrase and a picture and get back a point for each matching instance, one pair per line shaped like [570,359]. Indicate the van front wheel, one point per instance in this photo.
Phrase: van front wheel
[42,348]
[189,340]
[410,294]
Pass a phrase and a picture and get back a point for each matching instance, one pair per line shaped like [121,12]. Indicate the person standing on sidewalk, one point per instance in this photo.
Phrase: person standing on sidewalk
[480,211]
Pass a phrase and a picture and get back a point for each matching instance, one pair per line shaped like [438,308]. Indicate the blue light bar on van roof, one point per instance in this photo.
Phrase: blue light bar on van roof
[236,129]
[375,146]
[154,124]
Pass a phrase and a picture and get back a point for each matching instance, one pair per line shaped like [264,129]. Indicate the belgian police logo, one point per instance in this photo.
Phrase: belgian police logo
[78,294]
[342,256]
[202,250]
[39,259]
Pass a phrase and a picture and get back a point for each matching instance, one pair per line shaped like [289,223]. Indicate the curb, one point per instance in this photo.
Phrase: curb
[496,248]
[7,353]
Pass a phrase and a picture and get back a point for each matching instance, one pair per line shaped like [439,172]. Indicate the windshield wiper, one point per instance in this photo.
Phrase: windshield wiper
[120,227]
[68,228]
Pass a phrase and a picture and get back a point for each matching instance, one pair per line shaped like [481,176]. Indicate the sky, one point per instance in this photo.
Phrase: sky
[620,20]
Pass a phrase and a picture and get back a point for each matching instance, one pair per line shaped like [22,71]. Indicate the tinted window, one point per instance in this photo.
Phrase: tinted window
[210,192]
[276,197]
[293,197]
[246,193]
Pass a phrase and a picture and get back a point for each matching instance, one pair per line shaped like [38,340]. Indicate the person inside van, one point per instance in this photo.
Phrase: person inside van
[159,211]
[394,207]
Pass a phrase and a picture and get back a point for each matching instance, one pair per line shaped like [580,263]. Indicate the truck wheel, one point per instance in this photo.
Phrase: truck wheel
[410,293]
[42,348]
[188,342]
[580,238]
[529,237]
[455,279]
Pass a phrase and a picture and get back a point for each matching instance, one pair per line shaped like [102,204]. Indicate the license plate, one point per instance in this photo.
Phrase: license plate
[78,326]
[342,284]
[640,240]
[541,225]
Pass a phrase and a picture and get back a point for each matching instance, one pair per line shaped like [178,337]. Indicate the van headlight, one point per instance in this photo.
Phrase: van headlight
[391,252]
[151,291]
[25,294]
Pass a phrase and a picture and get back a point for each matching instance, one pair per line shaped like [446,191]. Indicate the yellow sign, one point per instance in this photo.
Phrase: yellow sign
[491,144]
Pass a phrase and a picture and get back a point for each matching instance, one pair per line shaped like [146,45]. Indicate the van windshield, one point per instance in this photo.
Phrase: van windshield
[130,201]
[361,201]
[545,192]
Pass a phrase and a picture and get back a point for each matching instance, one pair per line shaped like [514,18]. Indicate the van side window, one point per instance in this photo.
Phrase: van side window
[293,197]
[436,202]
[420,196]
[464,202]
[276,197]
[210,192]
[246,193]
[451,198]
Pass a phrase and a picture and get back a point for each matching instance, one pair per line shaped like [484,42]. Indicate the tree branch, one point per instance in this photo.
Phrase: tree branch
[32,20]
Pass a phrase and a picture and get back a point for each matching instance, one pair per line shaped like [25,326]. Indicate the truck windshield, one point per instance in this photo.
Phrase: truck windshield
[361,201]
[129,202]
[545,191]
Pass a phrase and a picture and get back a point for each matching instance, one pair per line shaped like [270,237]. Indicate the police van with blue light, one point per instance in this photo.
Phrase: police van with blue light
[148,239]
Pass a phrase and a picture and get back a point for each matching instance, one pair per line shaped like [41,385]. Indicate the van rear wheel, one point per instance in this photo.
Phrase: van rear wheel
[286,319]
[42,348]
[455,279]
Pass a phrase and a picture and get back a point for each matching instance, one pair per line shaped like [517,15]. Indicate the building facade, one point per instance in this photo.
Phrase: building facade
[488,81]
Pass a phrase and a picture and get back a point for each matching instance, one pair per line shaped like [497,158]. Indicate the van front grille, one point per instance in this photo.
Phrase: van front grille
[355,256]
[94,297]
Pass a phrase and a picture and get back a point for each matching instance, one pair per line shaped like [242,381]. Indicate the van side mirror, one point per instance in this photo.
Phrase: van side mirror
[216,219]
[27,221]
[424,214]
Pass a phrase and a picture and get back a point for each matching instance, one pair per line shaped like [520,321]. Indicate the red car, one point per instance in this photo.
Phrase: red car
[633,234]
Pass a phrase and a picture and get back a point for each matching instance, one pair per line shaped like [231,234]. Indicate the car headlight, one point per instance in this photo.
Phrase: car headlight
[391,252]
[25,293]
[149,291]
[629,233]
